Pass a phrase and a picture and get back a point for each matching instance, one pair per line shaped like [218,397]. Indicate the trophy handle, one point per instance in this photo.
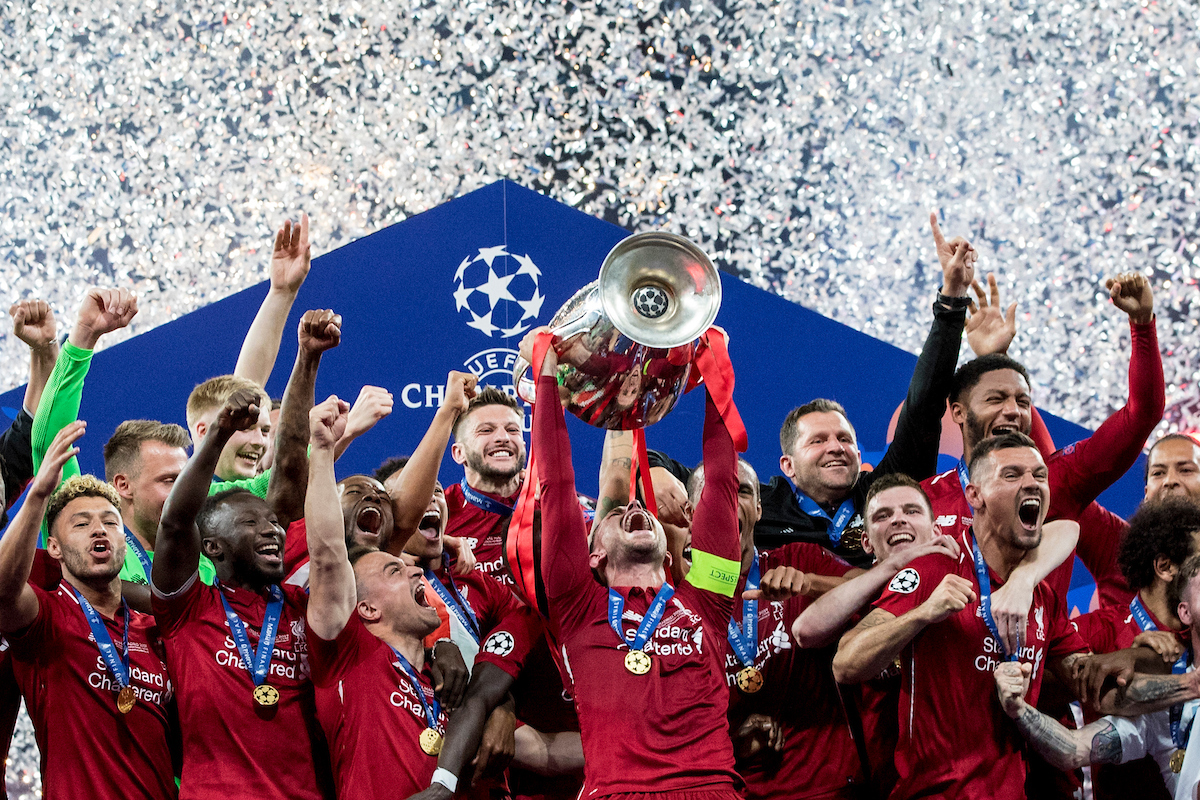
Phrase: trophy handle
[523,382]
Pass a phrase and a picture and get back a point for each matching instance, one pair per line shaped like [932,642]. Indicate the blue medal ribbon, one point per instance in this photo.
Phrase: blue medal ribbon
[1141,615]
[258,663]
[837,523]
[744,639]
[480,500]
[117,662]
[132,542]
[1179,735]
[454,600]
[616,609]
[431,707]
[964,476]
[985,599]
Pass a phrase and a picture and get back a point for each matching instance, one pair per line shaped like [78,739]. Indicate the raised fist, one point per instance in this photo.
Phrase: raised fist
[1130,292]
[241,411]
[460,388]
[33,323]
[320,330]
[103,311]
[327,422]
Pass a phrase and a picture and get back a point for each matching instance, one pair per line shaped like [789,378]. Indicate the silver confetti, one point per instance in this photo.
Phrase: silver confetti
[157,145]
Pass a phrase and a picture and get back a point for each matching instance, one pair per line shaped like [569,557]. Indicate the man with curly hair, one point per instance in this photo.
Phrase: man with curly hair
[1162,535]
[92,671]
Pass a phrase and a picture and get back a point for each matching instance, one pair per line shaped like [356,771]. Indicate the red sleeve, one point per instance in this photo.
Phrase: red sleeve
[915,583]
[331,660]
[172,612]
[498,602]
[295,546]
[1064,639]
[715,523]
[1096,629]
[564,533]
[1092,465]
[807,557]
[509,643]
[38,641]
[1041,434]
[1100,533]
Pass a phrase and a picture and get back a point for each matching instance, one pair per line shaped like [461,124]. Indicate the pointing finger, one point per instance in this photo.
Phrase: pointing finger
[938,239]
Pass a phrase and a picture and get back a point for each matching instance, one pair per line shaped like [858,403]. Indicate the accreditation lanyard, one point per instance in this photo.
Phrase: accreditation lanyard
[837,523]
[258,663]
[744,639]
[142,556]
[1179,733]
[454,600]
[117,662]
[431,707]
[985,600]
[480,500]
[616,609]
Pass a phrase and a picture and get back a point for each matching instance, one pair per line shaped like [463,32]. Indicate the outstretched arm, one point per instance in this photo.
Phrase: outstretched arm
[289,267]
[372,404]
[102,311]
[330,577]
[564,531]
[914,448]
[416,481]
[1107,454]
[319,330]
[827,617]
[616,460]
[177,545]
[33,324]
[1096,743]
[18,602]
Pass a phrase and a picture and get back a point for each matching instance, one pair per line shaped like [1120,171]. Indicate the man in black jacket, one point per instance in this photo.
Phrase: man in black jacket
[822,498]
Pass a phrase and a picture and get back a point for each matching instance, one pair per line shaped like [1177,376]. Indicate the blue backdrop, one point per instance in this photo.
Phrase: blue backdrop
[456,287]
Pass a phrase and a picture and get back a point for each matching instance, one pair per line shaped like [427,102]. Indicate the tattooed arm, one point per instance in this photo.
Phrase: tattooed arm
[1115,688]
[1096,743]
[615,463]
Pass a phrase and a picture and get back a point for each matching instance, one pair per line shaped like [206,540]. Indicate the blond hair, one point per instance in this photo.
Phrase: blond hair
[214,393]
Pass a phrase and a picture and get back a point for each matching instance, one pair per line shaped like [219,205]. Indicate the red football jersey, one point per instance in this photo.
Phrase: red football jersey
[372,715]
[665,730]
[1107,630]
[231,746]
[819,757]
[507,629]
[482,529]
[948,670]
[72,698]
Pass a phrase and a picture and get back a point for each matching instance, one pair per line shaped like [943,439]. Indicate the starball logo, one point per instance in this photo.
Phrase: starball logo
[498,294]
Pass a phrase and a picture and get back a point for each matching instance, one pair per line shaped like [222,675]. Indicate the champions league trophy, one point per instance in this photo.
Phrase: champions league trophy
[626,342]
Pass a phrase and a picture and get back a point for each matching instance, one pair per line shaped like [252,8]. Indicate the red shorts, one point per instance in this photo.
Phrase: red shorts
[718,792]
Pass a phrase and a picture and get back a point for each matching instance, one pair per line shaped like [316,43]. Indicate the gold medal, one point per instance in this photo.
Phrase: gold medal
[126,699]
[266,695]
[431,742]
[637,662]
[1177,761]
[749,680]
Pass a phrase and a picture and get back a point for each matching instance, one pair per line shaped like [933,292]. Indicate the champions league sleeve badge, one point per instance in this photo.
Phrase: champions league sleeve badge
[906,581]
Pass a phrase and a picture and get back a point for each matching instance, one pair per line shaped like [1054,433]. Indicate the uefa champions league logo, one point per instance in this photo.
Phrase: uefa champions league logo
[499,301]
